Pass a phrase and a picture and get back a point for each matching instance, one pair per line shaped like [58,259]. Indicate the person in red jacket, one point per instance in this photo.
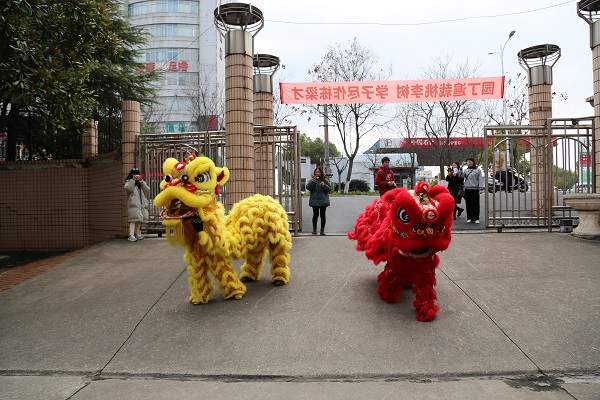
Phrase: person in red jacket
[385,177]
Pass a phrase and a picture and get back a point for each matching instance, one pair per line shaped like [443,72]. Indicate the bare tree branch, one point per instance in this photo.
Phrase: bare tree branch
[350,63]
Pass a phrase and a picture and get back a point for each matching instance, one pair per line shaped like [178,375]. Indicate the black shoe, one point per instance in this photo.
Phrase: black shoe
[314,232]
[460,211]
[322,233]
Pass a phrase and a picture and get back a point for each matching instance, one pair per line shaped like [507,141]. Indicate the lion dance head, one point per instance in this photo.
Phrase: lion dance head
[188,187]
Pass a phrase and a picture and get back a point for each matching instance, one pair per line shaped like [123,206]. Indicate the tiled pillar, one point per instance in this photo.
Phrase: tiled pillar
[263,108]
[239,22]
[540,109]
[130,129]
[263,116]
[90,139]
[596,67]
[239,131]
[589,11]
[265,66]
[538,62]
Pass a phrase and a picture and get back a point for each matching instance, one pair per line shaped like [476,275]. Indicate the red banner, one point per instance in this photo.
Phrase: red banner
[392,91]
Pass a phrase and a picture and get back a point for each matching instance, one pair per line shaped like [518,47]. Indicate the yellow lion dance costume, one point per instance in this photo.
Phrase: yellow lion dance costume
[195,220]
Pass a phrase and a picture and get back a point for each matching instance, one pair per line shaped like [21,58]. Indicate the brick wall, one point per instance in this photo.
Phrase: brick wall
[57,205]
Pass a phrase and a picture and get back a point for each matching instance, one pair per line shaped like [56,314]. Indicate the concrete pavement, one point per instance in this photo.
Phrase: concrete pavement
[519,319]
[344,210]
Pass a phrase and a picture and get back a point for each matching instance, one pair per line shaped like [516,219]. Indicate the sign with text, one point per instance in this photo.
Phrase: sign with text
[392,91]
[429,143]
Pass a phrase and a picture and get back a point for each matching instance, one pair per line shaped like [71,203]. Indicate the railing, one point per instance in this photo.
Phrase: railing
[546,164]
[277,164]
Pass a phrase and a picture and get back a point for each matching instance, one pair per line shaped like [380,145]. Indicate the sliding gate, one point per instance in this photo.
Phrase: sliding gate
[277,164]
[546,162]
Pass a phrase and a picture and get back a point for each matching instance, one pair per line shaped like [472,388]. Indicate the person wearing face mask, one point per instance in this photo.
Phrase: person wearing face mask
[138,192]
[455,179]
[474,186]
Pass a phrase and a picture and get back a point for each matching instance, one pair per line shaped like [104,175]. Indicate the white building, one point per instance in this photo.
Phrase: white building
[185,44]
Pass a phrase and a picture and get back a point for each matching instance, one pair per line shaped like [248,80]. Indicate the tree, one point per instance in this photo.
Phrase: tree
[405,122]
[208,104]
[283,113]
[315,149]
[340,165]
[120,78]
[57,58]
[441,120]
[352,121]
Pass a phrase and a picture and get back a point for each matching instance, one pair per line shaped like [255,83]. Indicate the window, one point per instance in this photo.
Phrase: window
[181,78]
[163,6]
[170,54]
[172,30]
[174,103]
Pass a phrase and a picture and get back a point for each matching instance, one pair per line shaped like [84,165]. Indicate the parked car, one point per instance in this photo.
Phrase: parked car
[580,188]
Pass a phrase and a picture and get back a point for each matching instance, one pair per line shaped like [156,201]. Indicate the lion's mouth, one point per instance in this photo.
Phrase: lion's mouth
[419,253]
[177,210]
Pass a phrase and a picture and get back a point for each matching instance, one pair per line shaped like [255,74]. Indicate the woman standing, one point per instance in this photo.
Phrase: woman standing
[455,180]
[137,203]
[319,188]
[474,186]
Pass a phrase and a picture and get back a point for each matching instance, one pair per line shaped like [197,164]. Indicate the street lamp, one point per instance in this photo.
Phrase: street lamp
[504,110]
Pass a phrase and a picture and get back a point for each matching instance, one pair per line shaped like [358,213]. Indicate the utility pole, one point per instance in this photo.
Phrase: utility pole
[326,141]
[504,108]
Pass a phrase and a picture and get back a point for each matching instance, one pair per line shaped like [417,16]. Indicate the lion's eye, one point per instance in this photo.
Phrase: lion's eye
[403,216]
[202,178]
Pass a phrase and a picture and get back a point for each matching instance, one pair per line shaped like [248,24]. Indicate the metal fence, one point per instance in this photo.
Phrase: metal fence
[546,163]
[277,153]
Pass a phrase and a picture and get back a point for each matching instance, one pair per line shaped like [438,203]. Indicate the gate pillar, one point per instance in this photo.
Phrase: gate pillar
[589,11]
[265,66]
[130,129]
[239,22]
[538,62]
[90,139]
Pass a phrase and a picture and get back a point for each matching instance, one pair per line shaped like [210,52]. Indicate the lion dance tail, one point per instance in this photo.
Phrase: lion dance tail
[256,225]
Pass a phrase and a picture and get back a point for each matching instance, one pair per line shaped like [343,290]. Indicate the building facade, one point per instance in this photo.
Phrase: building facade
[185,45]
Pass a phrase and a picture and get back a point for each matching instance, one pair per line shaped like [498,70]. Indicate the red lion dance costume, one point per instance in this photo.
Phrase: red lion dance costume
[405,229]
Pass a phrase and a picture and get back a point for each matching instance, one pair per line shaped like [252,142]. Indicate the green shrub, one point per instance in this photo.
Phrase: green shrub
[358,185]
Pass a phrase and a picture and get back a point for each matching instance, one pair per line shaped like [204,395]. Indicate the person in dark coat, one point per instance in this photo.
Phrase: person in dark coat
[319,188]
[455,180]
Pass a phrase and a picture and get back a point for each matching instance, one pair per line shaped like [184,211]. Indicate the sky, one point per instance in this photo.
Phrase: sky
[409,34]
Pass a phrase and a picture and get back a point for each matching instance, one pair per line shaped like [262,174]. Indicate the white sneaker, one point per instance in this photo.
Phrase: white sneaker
[476,221]
[139,237]
[469,220]
[132,238]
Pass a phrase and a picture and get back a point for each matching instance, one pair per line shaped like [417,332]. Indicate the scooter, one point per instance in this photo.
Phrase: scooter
[509,180]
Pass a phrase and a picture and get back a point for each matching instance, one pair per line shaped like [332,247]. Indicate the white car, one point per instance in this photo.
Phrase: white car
[580,188]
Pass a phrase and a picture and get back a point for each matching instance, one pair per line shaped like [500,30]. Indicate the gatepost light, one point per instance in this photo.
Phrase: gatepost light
[504,117]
